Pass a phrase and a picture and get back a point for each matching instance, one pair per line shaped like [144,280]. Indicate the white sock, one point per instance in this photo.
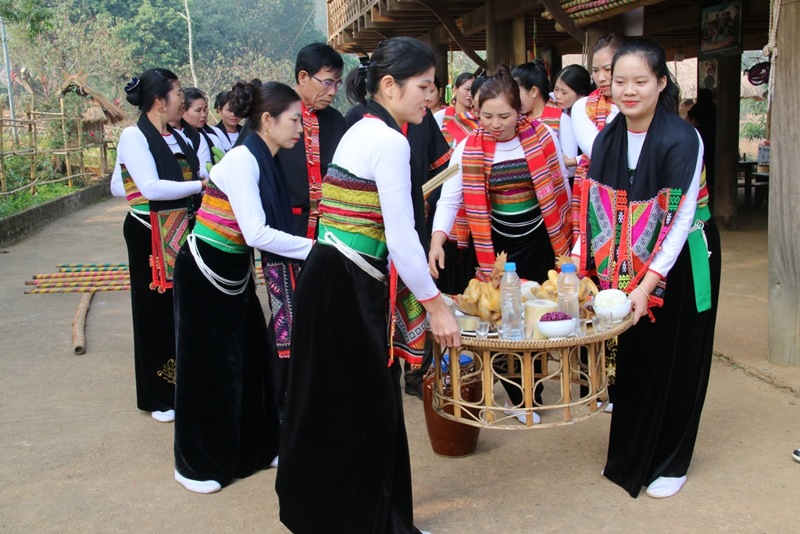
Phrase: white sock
[609,408]
[166,416]
[198,486]
[274,462]
[520,414]
[664,487]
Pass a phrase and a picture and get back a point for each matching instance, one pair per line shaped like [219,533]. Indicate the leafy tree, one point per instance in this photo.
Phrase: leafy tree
[33,15]
[87,46]
[157,33]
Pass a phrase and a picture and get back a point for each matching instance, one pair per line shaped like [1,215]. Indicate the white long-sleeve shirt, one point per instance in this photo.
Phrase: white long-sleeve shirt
[227,141]
[237,176]
[452,190]
[134,152]
[203,155]
[566,136]
[583,128]
[666,256]
[373,151]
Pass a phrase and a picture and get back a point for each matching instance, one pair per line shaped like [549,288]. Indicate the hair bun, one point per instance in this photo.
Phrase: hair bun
[131,85]
[241,97]
[132,92]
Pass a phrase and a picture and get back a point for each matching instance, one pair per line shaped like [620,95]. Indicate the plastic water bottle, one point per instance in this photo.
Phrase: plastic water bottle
[511,303]
[568,286]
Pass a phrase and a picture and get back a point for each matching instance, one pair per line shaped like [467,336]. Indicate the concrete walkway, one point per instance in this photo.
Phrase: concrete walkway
[77,456]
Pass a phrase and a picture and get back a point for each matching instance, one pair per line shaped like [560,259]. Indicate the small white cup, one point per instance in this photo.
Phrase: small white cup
[482,329]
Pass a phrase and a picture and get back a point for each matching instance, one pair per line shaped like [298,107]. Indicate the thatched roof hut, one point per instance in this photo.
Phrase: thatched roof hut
[101,109]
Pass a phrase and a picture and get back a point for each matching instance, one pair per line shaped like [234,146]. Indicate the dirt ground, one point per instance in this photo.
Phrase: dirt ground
[77,456]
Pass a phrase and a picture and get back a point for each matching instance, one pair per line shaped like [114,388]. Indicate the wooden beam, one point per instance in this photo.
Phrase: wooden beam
[562,20]
[603,15]
[439,9]
[676,19]
[784,194]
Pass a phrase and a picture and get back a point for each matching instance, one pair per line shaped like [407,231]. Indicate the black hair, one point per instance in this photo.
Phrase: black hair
[613,40]
[656,61]
[399,57]
[221,99]
[576,78]
[533,74]
[476,86]
[437,83]
[317,56]
[500,85]
[252,99]
[190,94]
[153,83]
[463,78]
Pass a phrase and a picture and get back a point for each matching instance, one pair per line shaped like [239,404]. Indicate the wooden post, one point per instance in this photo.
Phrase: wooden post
[491,38]
[32,139]
[519,48]
[66,141]
[3,185]
[593,34]
[81,167]
[727,142]
[784,194]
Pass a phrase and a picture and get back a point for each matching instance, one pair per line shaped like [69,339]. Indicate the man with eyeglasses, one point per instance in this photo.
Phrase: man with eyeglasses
[318,73]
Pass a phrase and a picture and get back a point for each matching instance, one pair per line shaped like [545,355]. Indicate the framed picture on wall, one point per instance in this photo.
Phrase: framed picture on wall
[707,70]
[721,29]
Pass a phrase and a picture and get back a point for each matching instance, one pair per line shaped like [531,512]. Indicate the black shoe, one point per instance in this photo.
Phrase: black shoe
[795,453]
[414,388]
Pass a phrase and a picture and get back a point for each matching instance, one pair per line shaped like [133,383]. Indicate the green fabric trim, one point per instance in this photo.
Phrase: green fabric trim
[358,242]
[701,272]
[702,213]
[142,208]
[217,241]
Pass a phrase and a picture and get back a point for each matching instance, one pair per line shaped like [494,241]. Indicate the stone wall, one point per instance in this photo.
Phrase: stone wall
[18,226]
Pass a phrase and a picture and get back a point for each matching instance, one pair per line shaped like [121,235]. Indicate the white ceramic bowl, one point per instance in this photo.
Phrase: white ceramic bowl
[610,298]
[552,329]
[617,313]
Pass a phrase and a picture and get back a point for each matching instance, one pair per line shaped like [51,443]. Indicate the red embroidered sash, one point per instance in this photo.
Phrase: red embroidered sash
[313,165]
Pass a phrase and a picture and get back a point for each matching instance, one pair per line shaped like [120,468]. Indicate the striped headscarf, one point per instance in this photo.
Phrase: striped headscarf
[548,182]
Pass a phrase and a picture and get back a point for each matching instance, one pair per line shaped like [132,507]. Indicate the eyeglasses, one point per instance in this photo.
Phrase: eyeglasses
[327,84]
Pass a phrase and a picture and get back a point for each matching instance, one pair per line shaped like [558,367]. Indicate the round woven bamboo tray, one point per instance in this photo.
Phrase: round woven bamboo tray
[572,378]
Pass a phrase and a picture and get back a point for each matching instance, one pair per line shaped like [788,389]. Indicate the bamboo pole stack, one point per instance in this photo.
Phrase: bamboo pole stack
[86,278]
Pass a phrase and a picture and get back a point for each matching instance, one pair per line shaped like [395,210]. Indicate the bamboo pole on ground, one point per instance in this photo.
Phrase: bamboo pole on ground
[39,291]
[79,324]
[77,265]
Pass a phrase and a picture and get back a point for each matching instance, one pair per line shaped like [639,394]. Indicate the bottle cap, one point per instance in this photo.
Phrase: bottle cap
[569,268]
[510,266]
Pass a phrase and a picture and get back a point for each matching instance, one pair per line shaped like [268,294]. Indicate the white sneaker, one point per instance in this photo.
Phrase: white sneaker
[167,416]
[664,487]
[609,407]
[520,414]
[198,486]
